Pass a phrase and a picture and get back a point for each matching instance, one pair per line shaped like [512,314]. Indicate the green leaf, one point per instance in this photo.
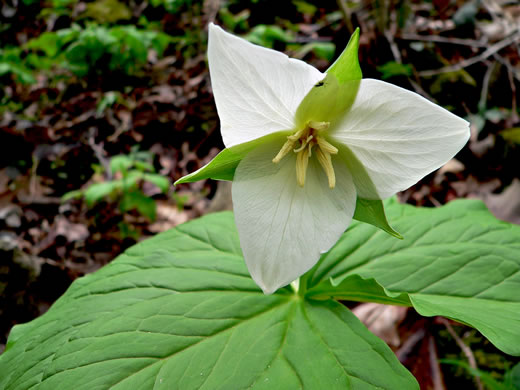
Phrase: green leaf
[346,67]
[108,100]
[120,163]
[456,261]
[485,377]
[23,74]
[513,377]
[76,194]
[323,50]
[180,311]
[305,8]
[136,200]
[97,191]
[266,36]
[511,135]
[47,42]
[392,68]
[107,11]
[160,181]
[143,166]
[131,179]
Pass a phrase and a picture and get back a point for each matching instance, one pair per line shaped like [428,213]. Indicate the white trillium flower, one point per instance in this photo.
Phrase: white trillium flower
[301,165]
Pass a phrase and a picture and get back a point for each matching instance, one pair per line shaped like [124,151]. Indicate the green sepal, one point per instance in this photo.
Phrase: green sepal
[373,212]
[327,101]
[333,96]
[357,289]
[346,67]
[223,166]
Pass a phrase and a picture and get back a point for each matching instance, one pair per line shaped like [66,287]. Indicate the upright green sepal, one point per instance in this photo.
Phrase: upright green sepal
[346,67]
[332,97]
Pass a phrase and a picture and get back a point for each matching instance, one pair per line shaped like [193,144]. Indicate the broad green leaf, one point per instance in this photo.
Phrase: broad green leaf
[456,261]
[179,311]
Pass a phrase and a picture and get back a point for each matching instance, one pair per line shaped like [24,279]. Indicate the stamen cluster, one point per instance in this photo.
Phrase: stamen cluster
[308,137]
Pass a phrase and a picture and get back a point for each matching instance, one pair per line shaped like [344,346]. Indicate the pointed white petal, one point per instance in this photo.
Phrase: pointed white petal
[284,228]
[397,136]
[257,90]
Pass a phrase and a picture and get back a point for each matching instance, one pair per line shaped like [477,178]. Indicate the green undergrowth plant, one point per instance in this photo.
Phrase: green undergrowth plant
[94,49]
[511,378]
[127,175]
[270,35]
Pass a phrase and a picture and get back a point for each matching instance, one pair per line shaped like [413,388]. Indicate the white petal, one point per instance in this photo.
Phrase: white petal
[397,136]
[257,90]
[284,228]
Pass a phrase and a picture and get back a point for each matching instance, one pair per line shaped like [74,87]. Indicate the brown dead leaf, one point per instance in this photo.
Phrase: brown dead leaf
[168,216]
[382,320]
[71,231]
[506,206]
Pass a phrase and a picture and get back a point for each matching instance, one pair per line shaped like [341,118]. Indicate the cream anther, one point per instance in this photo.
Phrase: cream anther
[308,137]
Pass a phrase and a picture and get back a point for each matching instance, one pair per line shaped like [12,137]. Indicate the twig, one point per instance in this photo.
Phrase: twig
[98,151]
[210,9]
[393,46]
[441,39]
[438,383]
[398,58]
[482,103]
[403,353]
[420,89]
[514,72]
[473,60]
[465,349]
[346,15]
[514,111]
